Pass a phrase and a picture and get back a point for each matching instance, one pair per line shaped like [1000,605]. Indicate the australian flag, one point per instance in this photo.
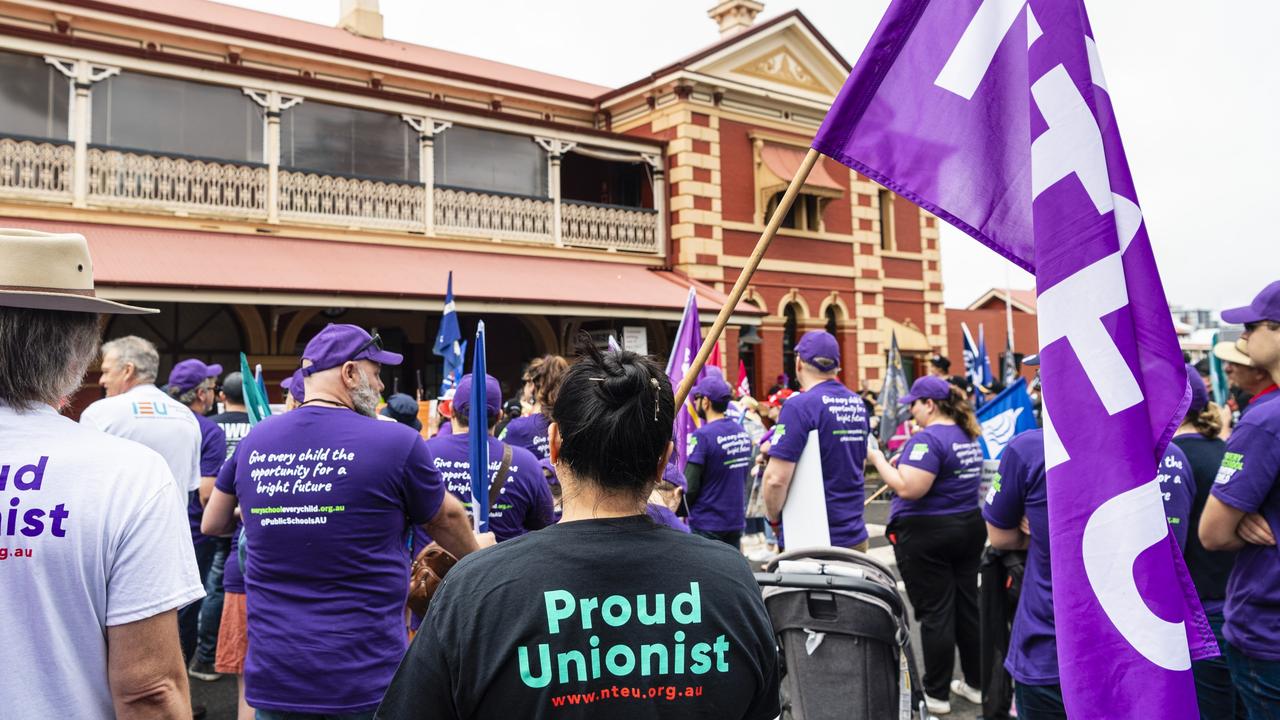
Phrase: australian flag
[448,343]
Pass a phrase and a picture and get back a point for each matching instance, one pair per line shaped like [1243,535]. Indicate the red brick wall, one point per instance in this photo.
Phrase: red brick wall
[737,176]
[906,225]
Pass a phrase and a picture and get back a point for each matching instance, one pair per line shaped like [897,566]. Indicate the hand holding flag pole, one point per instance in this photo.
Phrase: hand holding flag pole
[744,278]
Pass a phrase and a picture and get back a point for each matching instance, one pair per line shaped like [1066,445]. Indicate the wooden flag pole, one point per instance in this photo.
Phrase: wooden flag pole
[775,222]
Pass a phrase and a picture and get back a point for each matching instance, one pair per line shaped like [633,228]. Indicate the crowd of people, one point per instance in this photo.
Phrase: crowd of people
[166,536]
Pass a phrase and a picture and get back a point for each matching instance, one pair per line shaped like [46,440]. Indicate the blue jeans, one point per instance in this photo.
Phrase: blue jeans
[1257,683]
[1215,694]
[211,608]
[1039,702]
[279,715]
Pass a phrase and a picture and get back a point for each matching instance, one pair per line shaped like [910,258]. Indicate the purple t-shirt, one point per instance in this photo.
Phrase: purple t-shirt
[840,417]
[445,429]
[955,459]
[1178,486]
[723,449]
[327,496]
[530,433]
[232,575]
[525,502]
[1249,480]
[213,451]
[1018,490]
[1259,401]
[662,515]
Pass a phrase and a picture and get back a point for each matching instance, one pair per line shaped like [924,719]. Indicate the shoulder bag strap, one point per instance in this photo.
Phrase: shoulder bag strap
[500,480]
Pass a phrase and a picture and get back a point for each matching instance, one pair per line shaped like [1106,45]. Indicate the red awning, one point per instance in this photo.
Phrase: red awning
[783,161]
[144,257]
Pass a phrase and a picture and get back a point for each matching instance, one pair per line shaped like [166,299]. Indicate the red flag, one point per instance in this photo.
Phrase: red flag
[744,387]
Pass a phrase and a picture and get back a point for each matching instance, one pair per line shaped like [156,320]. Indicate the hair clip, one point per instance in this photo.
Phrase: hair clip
[656,387]
[598,379]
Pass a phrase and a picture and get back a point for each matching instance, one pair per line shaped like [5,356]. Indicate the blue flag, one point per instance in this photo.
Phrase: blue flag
[479,437]
[1006,415]
[448,343]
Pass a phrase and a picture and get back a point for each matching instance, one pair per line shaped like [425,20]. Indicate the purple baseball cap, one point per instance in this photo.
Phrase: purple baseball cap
[337,344]
[930,387]
[295,386]
[672,475]
[820,349]
[462,396]
[1266,306]
[188,374]
[713,388]
[1199,393]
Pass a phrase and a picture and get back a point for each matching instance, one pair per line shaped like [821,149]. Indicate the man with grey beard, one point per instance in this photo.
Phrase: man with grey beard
[327,494]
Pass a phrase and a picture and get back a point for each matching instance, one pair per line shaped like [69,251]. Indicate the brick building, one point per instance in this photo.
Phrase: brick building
[256,176]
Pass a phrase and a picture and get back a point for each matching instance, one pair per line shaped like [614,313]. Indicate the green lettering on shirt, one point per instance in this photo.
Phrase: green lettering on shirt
[1233,461]
[918,451]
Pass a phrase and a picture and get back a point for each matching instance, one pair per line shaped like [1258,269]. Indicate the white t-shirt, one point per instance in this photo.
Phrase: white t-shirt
[99,537]
[147,415]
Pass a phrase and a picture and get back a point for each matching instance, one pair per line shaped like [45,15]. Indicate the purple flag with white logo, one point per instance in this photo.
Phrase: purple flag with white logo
[688,341]
[995,115]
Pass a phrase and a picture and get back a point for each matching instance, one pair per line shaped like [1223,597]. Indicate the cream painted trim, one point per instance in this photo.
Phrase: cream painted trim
[900,284]
[843,238]
[833,298]
[65,213]
[794,296]
[388,71]
[904,255]
[790,266]
[777,139]
[394,107]
[294,299]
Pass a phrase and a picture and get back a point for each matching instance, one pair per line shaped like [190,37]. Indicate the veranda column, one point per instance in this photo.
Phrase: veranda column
[659,202]
[556,149]
[273,104]
[82,75]
[427,130]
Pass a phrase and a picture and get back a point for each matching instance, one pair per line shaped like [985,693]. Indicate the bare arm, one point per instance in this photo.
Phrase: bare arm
[910,483]
[1223,527]
[451,527]
[219,514]
[777,481]
[206,489]
[1002,539]
[145,671]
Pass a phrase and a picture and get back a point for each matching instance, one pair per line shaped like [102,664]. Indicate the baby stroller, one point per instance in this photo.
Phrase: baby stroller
[843,635]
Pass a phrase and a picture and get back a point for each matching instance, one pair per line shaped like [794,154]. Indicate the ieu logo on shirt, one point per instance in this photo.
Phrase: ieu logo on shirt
[146,408]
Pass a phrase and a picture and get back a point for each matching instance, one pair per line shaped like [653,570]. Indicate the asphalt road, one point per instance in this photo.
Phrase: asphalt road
[220,697]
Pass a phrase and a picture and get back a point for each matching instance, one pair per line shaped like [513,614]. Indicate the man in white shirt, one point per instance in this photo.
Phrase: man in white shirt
[95,552]
[136,409]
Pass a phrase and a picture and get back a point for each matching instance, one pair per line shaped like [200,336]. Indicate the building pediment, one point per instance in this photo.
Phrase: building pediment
[788,57]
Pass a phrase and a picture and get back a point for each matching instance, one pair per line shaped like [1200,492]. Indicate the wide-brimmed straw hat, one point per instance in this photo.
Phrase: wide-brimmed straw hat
[52,271]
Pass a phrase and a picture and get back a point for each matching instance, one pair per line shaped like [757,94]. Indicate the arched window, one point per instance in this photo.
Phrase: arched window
[831,319]
[789,344]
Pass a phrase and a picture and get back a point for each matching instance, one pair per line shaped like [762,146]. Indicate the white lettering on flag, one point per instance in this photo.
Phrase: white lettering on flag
[1073,309]
[1055,453]
[1073,142]
[1117,532]
[973,55]
[1095,63]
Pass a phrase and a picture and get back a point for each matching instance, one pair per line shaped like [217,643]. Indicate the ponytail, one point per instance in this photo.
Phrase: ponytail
[1207,422]
[960,410]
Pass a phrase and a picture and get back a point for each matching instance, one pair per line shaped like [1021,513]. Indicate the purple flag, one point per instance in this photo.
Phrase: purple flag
[685,349]
[995,115]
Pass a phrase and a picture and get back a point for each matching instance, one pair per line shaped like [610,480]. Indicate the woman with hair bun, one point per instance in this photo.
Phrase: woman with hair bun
[938,533]
[607,613]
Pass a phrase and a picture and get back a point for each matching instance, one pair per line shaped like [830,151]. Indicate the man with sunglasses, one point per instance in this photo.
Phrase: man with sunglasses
[327,495]
[1243,513]
[194,384]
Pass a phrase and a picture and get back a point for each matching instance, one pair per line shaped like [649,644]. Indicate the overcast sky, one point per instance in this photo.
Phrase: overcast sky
[1194,85]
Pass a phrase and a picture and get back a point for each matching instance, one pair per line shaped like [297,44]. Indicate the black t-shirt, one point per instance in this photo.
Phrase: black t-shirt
[1209,570]
[235,424]
[618,618]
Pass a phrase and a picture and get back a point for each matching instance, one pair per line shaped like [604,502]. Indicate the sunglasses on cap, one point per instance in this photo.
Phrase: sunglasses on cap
[375,341]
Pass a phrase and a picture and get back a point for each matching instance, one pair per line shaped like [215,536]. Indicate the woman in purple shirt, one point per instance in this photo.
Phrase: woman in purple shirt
[937,533]
[541,384]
